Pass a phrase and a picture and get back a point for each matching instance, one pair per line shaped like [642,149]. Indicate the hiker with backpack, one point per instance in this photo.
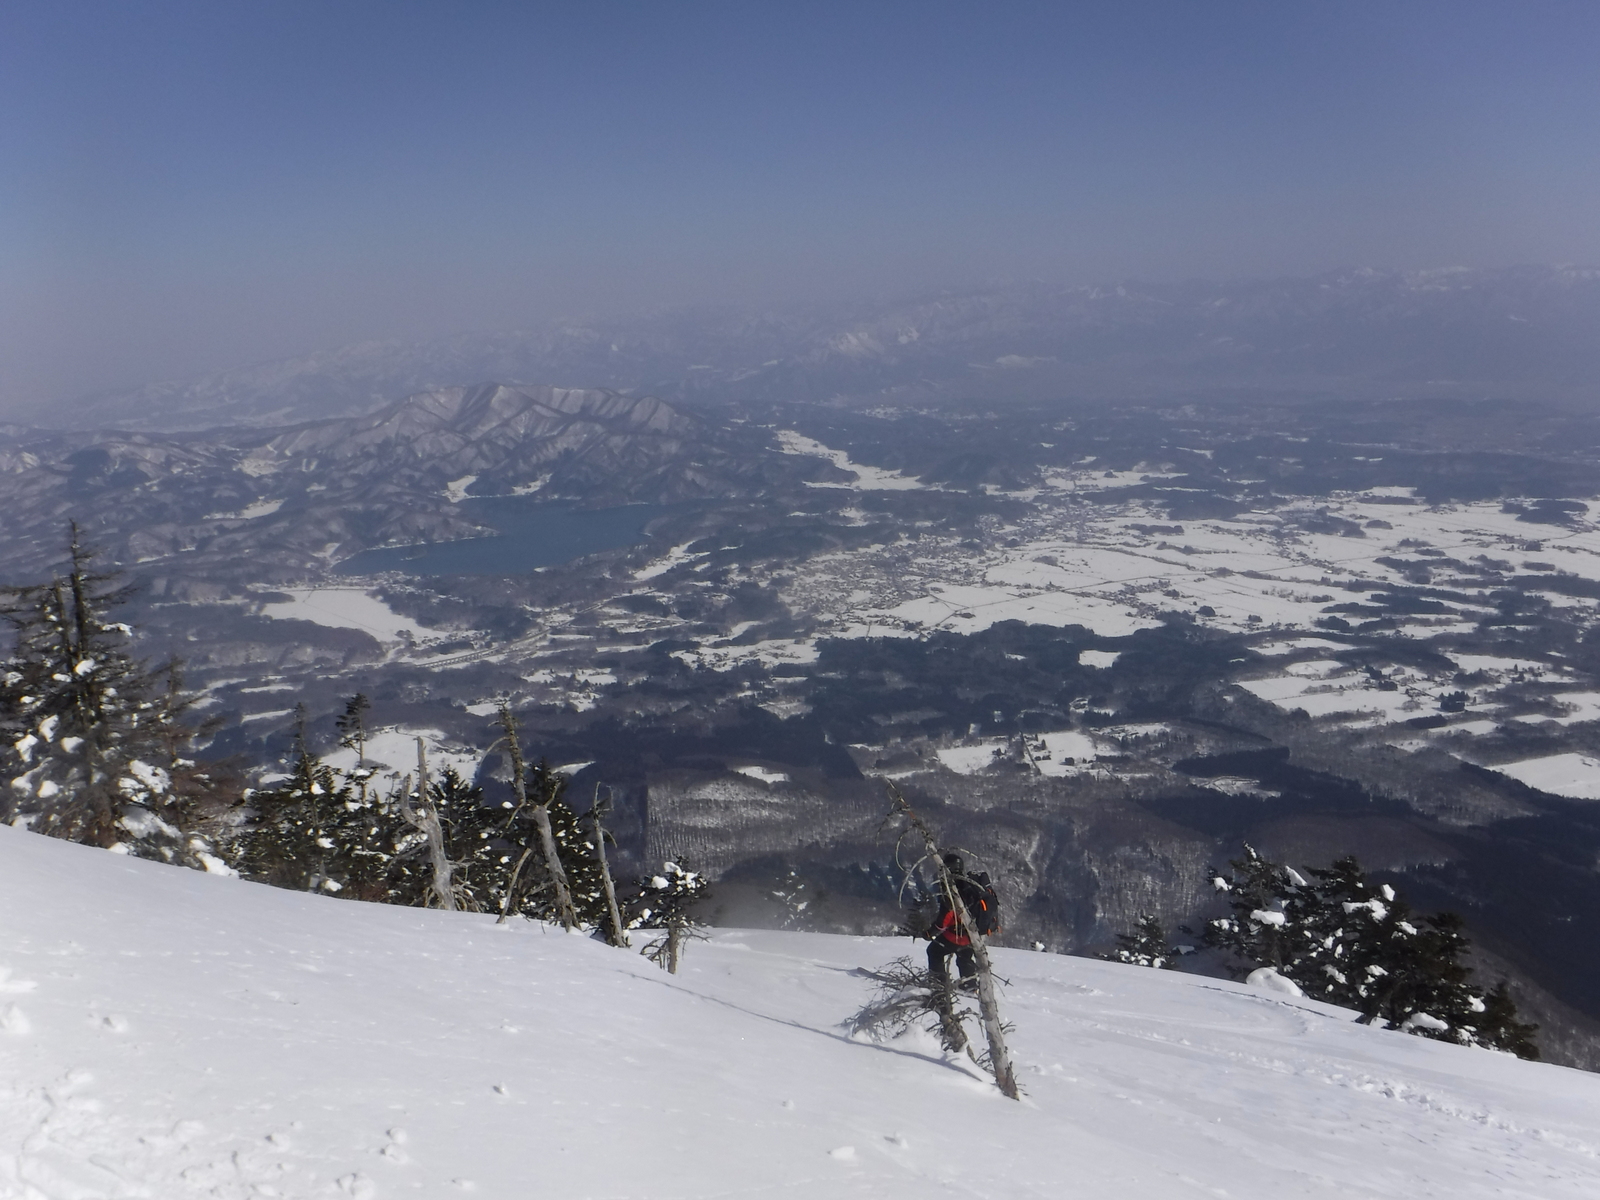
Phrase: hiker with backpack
[948,935]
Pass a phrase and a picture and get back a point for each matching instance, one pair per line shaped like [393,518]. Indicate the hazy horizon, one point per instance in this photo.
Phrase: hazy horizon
[195,188]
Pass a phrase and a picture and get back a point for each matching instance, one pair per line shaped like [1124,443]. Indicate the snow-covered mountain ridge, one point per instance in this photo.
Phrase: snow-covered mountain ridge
[390,477]
[169,1034]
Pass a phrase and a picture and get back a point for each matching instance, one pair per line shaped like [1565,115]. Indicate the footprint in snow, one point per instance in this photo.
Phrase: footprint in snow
[358,1185]
[115,1024]
[395,1151]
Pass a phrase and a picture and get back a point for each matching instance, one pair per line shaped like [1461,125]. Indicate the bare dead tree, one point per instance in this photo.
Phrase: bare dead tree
[667,951]
[617,935]
[424,817]
[910,998]
[566,913]
[988,1005]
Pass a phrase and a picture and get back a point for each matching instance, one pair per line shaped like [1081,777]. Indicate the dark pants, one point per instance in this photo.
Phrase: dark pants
[939,950]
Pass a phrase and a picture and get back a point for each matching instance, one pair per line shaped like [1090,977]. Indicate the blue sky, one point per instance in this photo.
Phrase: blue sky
[190,186]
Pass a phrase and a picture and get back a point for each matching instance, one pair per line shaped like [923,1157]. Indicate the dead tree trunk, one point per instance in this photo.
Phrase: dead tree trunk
[443,890]
[674,945]
[566,913]
[511,885]
[988,1005]
[422,817]
[619,932]
[667,952]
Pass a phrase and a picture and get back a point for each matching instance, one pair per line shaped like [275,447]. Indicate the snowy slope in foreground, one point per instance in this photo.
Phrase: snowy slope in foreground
[169,1034]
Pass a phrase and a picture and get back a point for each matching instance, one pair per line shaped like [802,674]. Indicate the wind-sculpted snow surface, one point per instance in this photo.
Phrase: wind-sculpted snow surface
[169,1034]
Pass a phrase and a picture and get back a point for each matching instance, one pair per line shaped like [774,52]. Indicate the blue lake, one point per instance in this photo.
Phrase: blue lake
[531,534]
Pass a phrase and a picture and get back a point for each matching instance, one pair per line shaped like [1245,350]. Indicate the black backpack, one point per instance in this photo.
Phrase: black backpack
[977,893]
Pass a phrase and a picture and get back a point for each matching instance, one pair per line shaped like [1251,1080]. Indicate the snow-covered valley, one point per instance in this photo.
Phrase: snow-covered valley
[1113,642]
[165,1033]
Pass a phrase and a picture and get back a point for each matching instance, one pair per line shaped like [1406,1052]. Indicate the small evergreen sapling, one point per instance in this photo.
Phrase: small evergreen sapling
[794,893]
[1146,946]
[352,728]
[666,901]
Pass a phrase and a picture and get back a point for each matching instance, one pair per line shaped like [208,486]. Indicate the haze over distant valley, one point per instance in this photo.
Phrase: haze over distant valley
[1511,333]
[1131,437]
[1104,637]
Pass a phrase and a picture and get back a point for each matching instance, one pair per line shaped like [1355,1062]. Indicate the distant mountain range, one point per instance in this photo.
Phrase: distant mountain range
[299,496]
[1518,332]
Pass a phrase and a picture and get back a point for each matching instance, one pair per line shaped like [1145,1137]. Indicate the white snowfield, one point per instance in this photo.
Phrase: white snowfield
[868,479]
[1115,567]
[345,608]
[1572,774]
[169,1034]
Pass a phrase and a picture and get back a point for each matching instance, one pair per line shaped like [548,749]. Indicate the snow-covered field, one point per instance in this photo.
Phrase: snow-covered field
[1113,567]
[1575,775]
[169,1034]
[867,479]
[393,752]
[345,608]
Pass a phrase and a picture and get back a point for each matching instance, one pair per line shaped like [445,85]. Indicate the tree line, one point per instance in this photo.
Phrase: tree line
[1340,938]
[98,748]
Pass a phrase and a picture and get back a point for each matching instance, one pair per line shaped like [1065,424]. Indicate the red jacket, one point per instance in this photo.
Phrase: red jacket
[950,930]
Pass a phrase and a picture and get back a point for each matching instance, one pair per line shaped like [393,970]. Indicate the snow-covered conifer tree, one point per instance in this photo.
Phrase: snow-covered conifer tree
[94,743]
[480,857]
[352,726]
[795,893]
[1350,942]
[1333,961]
[534,892]
[666,900]
[1146,946]
[1497,1025]
[667,895]
[1270,903]
[299,836]
[575,846]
